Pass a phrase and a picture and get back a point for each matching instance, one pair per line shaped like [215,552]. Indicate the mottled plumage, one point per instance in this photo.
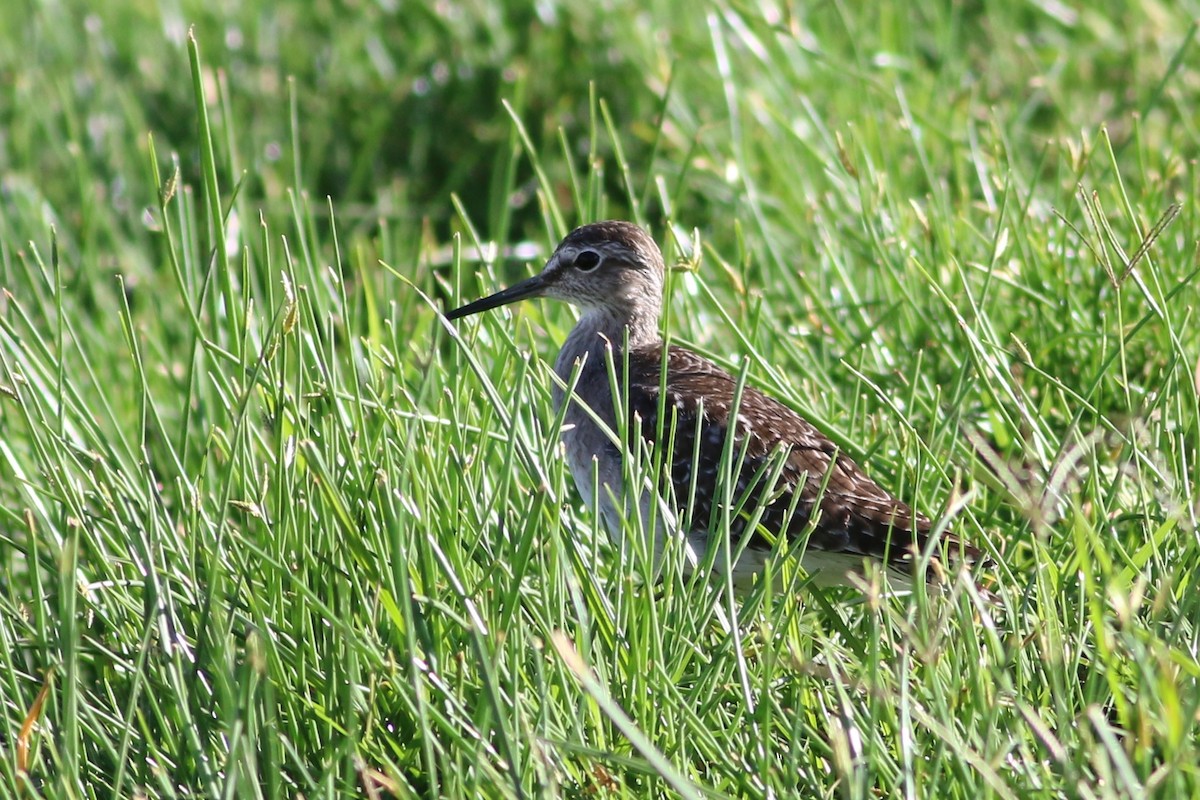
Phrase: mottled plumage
[614,272]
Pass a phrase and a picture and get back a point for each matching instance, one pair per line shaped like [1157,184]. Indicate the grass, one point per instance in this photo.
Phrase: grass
[269,527]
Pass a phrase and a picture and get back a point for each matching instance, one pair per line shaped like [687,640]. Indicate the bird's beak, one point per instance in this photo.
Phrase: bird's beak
[531,287]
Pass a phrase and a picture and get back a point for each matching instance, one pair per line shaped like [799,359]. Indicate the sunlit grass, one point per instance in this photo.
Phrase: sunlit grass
[271,527]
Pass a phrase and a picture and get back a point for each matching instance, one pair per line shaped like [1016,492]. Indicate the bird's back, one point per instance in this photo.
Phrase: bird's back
[855,517]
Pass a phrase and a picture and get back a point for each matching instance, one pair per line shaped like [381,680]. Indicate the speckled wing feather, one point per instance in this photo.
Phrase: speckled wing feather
[857,516]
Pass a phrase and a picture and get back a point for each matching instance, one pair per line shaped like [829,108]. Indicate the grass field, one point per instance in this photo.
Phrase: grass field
[270,528]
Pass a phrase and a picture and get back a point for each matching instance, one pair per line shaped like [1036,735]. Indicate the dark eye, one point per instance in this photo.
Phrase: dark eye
[587,260]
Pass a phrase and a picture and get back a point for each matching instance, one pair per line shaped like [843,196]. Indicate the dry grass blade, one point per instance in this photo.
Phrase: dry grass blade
[31,720]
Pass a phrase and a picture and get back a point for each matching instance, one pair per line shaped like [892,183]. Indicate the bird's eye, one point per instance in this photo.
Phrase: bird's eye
[587,260]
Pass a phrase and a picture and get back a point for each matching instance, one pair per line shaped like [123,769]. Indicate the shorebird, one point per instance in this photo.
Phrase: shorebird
[783,477]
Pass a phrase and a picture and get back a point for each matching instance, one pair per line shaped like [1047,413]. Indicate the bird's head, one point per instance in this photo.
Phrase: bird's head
[614,267]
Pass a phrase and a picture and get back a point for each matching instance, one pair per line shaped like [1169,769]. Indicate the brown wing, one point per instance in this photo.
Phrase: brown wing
[857,516]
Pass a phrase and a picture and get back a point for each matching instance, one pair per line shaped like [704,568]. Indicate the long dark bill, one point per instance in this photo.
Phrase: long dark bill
[531,287]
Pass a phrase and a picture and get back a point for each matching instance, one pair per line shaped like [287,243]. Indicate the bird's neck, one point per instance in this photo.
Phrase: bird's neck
[600,331]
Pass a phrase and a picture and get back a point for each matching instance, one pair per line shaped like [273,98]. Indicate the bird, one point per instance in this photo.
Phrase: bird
[784,480]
